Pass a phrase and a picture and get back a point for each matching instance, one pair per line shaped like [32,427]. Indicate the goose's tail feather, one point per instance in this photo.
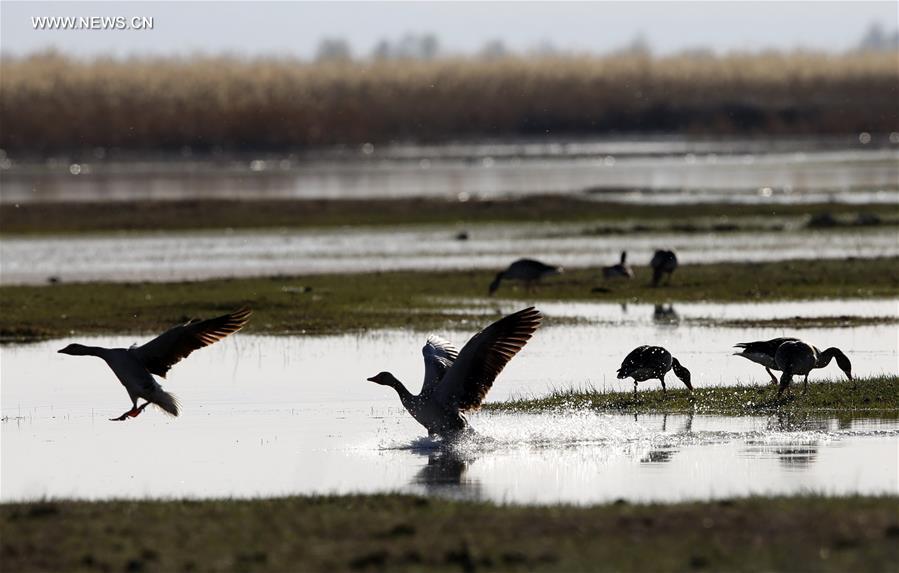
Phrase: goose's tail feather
[166,401]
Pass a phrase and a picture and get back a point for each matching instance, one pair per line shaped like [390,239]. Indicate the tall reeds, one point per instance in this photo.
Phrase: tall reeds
[50,102]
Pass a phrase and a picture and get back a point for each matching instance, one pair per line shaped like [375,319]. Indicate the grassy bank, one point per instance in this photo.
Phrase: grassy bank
[207,103]
[877,396]
[421,300]
[599,217]
[402,533]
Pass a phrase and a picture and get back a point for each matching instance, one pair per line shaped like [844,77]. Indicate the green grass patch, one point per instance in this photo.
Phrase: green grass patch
[599,217]
[419,300]
[876,396]
[405,533]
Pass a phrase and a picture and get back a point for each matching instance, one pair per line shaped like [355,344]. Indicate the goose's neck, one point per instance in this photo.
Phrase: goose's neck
[825,357]
[83,350]
[400,389]
[843,361]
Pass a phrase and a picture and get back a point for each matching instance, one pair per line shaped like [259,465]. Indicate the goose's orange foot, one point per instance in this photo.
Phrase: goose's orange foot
[129,414]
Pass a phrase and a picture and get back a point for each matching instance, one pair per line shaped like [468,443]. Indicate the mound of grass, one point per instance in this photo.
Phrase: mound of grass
[418,300]
[878,395]
[403,533]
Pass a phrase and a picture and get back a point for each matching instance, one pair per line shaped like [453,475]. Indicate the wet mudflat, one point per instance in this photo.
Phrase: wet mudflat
[662,171]
[203,255]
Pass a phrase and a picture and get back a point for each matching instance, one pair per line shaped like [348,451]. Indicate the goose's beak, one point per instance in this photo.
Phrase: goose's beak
[372,379]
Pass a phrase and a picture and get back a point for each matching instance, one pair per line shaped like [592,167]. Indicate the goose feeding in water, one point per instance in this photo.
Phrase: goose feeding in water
[648,362]
[457,381]
[763,352]
[621,270]
[527,271]
[662,263]
[135,366]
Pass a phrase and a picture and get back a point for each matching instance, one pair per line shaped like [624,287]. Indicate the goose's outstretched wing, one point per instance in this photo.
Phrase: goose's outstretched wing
[178,342]
[480,361]
[439,355]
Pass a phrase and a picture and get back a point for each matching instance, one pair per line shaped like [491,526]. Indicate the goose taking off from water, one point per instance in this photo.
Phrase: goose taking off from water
[456,381]
[135,366]
[621,270]
[647,362]
[662,263]
[763,352]
[527,271]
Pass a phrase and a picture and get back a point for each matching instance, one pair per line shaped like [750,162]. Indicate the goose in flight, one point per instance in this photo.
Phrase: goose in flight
[763,352]
[662,263]
[647,362]
[621,270]
[457,381]
[135,366]
[527,271]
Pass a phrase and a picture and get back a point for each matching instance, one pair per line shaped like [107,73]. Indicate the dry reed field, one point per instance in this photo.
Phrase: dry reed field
[52,103]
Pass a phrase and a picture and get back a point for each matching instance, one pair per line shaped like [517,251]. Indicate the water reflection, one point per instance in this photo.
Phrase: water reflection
[797,458]
[726,170]
[246,413]
[445,474]
[665,315]
[664,453]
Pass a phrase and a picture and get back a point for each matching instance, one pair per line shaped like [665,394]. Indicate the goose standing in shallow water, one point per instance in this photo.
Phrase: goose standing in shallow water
[648,362]
[457,381]
[662,263]
[763,352]
[621,270]
[135,366]
[527,271]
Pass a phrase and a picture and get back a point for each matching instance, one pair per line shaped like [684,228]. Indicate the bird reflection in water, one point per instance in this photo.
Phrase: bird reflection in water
[445,474]
[665,314]
[797,457]
[664,454]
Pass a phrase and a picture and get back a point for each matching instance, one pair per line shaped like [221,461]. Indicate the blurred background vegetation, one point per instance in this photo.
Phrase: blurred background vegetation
[407,90]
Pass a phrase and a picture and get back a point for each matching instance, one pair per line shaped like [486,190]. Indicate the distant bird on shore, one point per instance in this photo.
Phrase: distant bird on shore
[764,352]
[621,270]
[457,381]
[662,263]
[652,362]
[135,366]
[527,271]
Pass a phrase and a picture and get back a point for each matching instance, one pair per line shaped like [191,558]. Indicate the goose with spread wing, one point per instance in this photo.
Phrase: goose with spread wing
[135,366]
[457,381]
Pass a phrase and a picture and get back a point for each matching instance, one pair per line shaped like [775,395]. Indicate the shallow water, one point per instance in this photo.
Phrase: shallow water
[294,415]
[664,170]
[202,255]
